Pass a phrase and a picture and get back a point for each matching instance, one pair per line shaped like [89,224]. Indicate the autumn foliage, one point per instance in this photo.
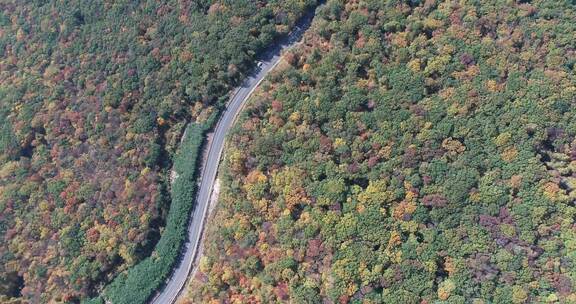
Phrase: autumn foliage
[94,98]
[410,152]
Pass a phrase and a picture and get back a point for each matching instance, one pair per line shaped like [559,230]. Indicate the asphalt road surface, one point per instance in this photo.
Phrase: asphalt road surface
[270,58]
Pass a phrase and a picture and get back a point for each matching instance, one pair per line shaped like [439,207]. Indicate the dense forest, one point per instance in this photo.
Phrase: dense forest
[94,98]
[408,152]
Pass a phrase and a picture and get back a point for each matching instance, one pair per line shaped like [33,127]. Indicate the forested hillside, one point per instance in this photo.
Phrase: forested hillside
[410,152]
[94,97]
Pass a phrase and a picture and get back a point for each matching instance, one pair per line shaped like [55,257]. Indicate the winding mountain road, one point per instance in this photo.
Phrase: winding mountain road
[175,284]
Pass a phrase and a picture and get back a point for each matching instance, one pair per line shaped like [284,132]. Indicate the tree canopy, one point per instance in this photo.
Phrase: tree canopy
[94,98]
[407,152]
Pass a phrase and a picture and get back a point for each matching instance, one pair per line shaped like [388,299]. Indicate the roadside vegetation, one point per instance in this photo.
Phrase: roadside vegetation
[411,152]
[94,98]
[141,281]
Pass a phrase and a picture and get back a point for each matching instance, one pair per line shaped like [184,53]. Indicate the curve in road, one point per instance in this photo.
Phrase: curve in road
[270,59]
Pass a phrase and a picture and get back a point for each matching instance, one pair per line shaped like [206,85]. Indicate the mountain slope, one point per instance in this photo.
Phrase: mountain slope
[94,96]
[413,152]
